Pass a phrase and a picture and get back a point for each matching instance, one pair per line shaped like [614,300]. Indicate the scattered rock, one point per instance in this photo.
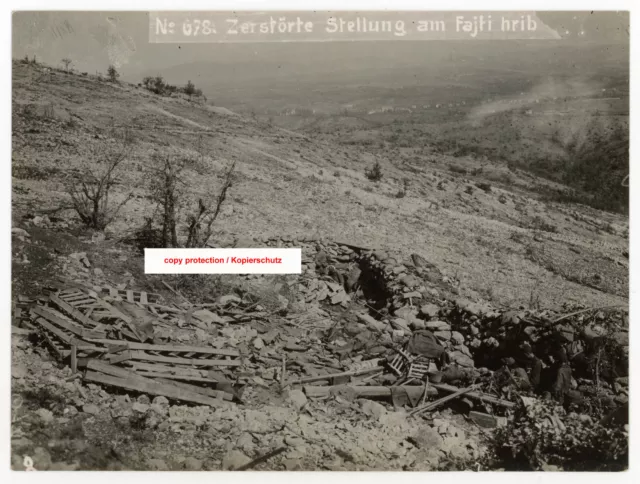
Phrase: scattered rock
[258,343]
[45,415]
[296,397]
[192,464]
[140,407]
[457,338]
[91,409]
[443,335]
[18,371]
[429,310]
[294,441]
[292,464]
[157,465]
[234,459]
[245,442]
[426,437]
[41,459]
[19,232]
[373,409]
[438,326]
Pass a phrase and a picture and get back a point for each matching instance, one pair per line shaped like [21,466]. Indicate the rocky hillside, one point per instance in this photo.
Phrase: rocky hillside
[392,350]
[484,227]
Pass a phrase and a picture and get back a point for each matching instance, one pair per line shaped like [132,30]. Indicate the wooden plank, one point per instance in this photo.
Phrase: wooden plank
[116,348]
[168,309]
[57,348]
[151,387]
[416,391]
[361,371]
[171,370]
[20,331]
[56,331]
[483,397]
[486,421]
[143,298]
[104,373]
[124,356]
[169,376]
[178,348]
[130,297]
[68,338]
[71,296]
[50,317]
[141,355]
[68,325]
[74,358]
[196,389]
[124,317]
[82,346]
[440,401]
[82,302]
[73,312]
[76,299]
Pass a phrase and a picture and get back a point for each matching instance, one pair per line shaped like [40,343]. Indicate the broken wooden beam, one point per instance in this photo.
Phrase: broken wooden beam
[100,372]
[71,311]
[74,358]
[204,350]
[144,356]
[119,357]
[218,394]
[310,379]
[49,315]
[169,376]
[483,397]
[20,331]
[261,459]
[440,401]
[170,370]
[487,421]
[414,391]
[57,347]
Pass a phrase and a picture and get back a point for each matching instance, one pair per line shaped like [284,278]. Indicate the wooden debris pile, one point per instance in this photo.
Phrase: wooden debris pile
[108,335]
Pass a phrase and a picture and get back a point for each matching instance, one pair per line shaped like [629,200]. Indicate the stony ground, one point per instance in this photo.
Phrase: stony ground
[62,423]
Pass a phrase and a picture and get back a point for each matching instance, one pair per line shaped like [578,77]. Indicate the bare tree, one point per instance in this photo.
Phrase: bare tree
[165,190]
[90,195]
[200,226]
[113,73]
[67,62]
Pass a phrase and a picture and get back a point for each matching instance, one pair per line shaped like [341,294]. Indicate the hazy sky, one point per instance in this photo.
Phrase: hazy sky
[93,40]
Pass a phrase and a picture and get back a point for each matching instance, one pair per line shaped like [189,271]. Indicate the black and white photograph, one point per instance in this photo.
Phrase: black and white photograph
[319,240]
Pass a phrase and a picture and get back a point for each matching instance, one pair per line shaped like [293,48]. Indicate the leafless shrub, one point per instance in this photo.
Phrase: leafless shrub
[165,191]
[200,224]
[67,62]
[375,173]
[90,195]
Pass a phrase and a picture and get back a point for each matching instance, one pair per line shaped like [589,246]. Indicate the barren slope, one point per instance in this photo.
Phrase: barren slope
[501,244]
